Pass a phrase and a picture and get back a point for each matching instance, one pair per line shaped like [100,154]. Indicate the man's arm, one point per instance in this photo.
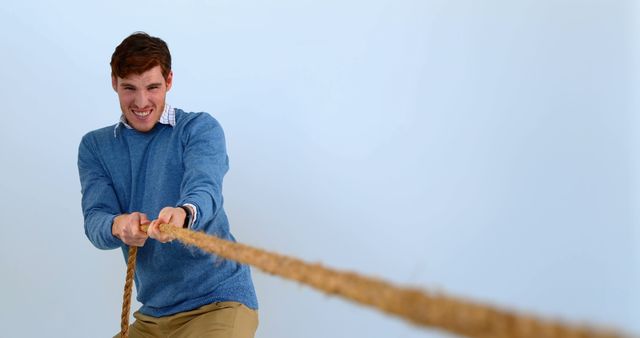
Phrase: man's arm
[104,225]
[205,163]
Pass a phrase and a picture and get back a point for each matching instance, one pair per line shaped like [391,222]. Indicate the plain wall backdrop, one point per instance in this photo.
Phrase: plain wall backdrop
[488,149]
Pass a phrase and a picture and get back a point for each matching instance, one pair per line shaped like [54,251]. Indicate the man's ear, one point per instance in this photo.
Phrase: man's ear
[169,80]
[114,83]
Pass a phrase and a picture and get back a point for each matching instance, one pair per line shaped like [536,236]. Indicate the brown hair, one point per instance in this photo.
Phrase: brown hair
[138,53]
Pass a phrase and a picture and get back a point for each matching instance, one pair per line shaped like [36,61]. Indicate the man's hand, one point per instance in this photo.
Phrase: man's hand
[168,215]
[127,228]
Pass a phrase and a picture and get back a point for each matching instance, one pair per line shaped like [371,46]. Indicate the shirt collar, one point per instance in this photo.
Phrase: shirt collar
[168,117]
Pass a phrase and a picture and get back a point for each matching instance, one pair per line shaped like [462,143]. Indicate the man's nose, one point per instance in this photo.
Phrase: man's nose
[140,99]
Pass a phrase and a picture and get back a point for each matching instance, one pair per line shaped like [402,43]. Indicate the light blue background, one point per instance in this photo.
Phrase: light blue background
[484,148]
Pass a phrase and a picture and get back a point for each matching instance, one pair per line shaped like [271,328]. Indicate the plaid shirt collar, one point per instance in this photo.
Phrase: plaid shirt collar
[168,117]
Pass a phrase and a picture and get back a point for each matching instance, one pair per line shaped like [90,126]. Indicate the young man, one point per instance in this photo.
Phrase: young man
[161,162]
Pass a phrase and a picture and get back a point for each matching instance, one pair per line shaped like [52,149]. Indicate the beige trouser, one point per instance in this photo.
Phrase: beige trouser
[217,320]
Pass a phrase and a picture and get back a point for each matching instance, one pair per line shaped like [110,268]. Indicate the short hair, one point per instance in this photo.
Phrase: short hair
[138,53]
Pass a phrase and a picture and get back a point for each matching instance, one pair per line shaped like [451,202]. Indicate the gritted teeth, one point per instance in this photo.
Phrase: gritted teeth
[142,113]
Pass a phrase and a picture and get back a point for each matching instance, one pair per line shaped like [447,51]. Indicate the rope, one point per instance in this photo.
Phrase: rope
[128,285]
[435,310]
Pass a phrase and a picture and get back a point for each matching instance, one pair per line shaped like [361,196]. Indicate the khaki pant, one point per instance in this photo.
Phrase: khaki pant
[217,320]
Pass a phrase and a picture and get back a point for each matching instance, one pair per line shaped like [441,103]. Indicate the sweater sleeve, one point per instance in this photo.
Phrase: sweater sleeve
[205,164]
[99,201]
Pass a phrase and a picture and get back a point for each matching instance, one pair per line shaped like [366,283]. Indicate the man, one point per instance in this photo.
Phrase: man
[159,161]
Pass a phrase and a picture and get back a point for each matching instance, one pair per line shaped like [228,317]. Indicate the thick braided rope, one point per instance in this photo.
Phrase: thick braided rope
[435,310]
[128,286]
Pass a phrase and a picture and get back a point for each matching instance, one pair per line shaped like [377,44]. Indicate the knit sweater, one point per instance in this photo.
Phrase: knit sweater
[123,171]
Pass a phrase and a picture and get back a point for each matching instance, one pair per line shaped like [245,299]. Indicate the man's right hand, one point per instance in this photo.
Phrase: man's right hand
[127,228]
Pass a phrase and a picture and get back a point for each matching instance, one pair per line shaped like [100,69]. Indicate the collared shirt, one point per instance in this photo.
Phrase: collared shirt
[168,117]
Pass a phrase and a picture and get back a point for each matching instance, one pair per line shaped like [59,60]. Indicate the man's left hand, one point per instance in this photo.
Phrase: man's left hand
[168,215]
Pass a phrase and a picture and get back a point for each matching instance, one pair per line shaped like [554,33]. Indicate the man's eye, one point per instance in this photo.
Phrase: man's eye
[128,88]
[154,87]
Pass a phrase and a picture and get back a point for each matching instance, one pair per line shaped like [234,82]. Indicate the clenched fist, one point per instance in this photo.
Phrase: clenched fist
[127,228]
[168,215]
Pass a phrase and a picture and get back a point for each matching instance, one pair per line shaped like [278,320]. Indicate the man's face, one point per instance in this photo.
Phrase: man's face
[142,97]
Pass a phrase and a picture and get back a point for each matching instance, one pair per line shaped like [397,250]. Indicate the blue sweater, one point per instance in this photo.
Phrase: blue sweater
[123,171]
